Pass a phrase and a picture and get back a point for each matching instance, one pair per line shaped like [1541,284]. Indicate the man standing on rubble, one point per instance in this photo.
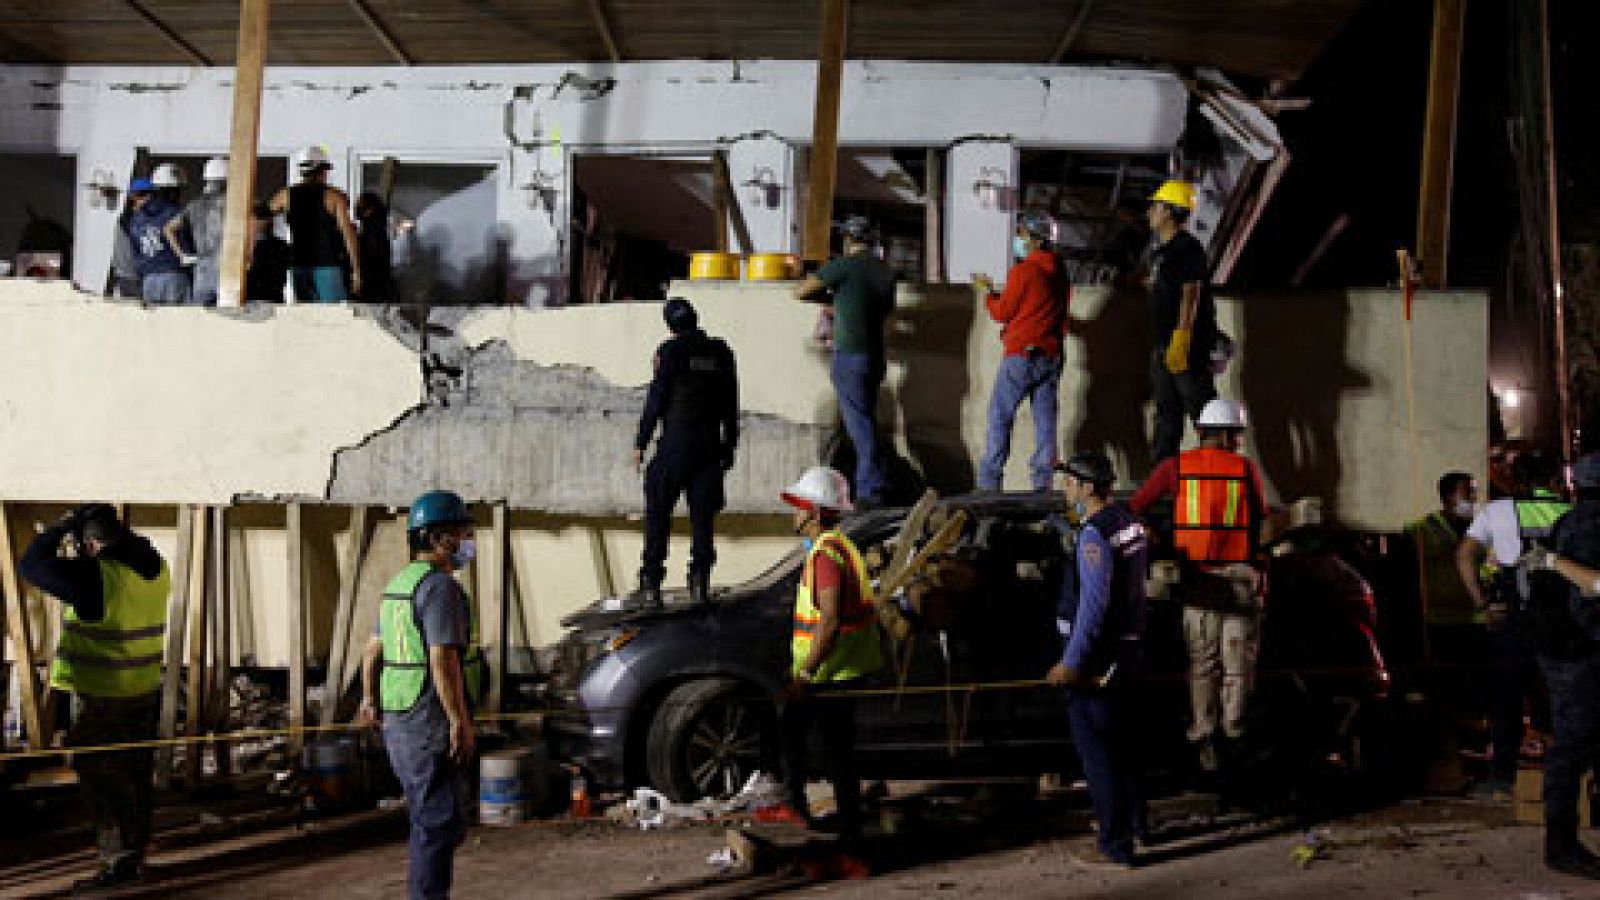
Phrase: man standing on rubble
[1218,510]
[1185,318]
[695,396]
[113,589]
[1101,618]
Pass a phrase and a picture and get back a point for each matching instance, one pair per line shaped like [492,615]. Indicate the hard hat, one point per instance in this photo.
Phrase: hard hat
[1038,224]
[1175,193]
[820,488]
[216,169]
[141,186]
[857,228]
[312,158]
[1094,468]
[1586,471]
[679,314]
[1220,413]
[166,175]
[438,508]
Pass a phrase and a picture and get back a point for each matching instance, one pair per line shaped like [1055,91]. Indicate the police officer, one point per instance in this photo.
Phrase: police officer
[695,397]
[1101,618]
[422,671]
[113,588]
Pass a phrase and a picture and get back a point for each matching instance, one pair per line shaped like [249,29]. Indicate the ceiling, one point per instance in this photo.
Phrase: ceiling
[1268,38]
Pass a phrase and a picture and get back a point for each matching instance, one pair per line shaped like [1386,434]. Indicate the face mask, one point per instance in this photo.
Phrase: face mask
[1019,247]
[465,553]
[1465,510]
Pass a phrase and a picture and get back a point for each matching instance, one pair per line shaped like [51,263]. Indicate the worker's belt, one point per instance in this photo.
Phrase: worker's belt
[1218,591]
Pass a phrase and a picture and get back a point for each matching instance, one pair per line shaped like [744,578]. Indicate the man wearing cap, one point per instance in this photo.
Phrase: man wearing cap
[1032,311]
[835,646]
[1184,315]
[1218,510]
[1101,617]
[860,288]
[201,220]
[694,396]
[422,671]
[162,278]
[322,238]
[113,588]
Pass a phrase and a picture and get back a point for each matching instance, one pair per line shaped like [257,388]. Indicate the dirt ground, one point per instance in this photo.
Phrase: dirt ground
[943,846]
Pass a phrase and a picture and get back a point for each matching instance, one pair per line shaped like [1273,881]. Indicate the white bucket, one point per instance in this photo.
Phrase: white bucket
[502,787]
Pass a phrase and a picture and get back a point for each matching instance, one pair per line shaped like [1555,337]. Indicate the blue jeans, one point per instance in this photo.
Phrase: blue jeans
[166,288]
[319,284]
[1108,752]
[856,379]
[1036,378]
[436,798]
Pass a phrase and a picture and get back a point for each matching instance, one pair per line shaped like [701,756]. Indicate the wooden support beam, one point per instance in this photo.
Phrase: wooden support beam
[197,642]
[602,562]
[294,536]
[1439,142]
[183,560]
[602,24]
[244,136]
[722,180]
[360,538]
[381,32]
[1069,38]
[933,216]
[217,703]
[20,631]
[719,218]
[824,168]
[173,37]
[495,607]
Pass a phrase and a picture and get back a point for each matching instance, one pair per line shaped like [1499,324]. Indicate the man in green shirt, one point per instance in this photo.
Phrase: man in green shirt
[860,288]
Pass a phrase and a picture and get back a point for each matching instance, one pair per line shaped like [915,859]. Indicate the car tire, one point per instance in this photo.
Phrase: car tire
[708,737]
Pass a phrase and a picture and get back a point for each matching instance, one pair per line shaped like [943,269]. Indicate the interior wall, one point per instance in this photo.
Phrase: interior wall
[38,197]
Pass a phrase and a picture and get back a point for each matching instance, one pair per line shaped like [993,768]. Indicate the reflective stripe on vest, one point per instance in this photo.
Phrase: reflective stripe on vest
[1211,515]
[405,654]
[120,655]
[856,649]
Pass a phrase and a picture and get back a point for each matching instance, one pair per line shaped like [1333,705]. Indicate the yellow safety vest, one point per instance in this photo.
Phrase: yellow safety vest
[120,655]
[857,649]
[405,657]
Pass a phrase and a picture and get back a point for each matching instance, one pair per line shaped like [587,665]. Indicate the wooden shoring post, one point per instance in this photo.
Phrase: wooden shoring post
[359,538]
[608,35]
[495,606]
[381,32]
[183,560]
[177,40]
[824,156]
[1439,142]
[217,703]
[195,697]
[723,182]
[20,631]
[245,134]
[933,217]
[1069,38]
[294,538]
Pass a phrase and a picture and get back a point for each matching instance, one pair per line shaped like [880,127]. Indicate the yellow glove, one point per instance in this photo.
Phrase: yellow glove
[1178,351]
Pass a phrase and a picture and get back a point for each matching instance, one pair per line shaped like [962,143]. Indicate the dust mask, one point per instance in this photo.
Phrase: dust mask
[464,554]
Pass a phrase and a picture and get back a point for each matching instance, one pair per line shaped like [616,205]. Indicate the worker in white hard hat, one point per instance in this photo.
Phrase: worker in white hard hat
[326,265]
[835,646]
[1184,316]
[196,233]
[163,279]
[1218,510]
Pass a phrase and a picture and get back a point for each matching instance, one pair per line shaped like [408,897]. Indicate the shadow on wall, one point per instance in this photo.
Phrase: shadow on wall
[1115,346]
[1294,374]
[931,340]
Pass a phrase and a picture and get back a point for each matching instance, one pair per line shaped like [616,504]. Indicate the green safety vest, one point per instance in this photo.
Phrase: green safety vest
[1537,516]
[857,649]
[120,655]
[405,656]
[1448,602]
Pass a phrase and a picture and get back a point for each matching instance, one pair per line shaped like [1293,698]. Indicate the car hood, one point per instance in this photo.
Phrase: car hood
[609,612]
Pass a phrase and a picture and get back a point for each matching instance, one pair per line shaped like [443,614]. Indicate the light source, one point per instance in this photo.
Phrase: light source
[991,188]
[765,191]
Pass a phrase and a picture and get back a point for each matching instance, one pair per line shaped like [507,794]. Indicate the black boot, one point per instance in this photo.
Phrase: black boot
[699,587]
[649,591]
[1564,853]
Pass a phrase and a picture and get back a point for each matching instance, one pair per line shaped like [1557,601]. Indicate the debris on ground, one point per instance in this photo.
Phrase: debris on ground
[1309,849]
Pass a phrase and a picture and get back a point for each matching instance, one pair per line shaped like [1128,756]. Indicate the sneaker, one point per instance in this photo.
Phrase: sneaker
[1088,855]
[781,814]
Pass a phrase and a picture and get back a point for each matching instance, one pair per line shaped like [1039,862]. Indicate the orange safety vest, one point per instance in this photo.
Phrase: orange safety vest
[1212,515]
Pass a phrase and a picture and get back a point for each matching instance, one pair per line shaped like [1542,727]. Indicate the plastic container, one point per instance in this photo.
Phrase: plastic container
[580,796]
[330,765]
[771,267]
[502,787]
[714,267]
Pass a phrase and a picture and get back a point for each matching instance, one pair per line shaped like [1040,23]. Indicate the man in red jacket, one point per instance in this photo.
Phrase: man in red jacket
[1032,311]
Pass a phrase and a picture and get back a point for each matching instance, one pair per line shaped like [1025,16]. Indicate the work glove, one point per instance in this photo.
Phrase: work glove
[1538,559]
[1178,351]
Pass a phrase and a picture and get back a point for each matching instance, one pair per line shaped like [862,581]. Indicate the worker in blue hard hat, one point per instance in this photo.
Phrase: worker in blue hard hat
[422,671]
[162,277]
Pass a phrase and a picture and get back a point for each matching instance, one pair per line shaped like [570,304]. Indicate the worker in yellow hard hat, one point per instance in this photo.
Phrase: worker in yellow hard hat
[1185,317]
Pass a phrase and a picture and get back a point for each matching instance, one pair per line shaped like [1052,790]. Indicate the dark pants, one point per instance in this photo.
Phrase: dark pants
[835,719]
[117,786]
[1575,713]
[672,472]
[1176,396]
[436,802]
[856,379]
[1514,680]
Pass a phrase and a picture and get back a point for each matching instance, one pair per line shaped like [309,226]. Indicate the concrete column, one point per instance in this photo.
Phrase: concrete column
[769,213]
[981,191]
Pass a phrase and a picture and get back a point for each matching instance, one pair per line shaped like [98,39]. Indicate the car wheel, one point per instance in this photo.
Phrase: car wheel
[708,737]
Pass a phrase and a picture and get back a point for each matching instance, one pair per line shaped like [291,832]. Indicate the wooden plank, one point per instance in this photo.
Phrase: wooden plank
[495,607]
[1069,38]
[386,176]
[183,559]
[242,145]
[1562,372]
[719,218]
[197,641]
[294,537]
[360,538]
[221,669]
[172,36]
[20,631]
[933,217]
[1439,142]
[723,183]
[824,167]
[602,24]
[381,32]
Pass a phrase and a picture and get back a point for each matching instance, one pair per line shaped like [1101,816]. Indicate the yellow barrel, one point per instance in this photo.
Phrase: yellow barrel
[713,267]
[770,267]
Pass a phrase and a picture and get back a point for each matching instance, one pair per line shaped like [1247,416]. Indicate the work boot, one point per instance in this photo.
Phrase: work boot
[649,591]
[1564,853]
[108,878]
[699,587]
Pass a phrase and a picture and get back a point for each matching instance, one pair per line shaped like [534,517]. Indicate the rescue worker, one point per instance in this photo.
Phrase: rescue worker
[113,588]
[836,645]
[422,671]
[201,222]
[1499,535]
[1571,667]
[860,288]
[322,238]
[1184,315]
[1101,617]
[1033,312]
[694,395]
[1218,509]
[162,279]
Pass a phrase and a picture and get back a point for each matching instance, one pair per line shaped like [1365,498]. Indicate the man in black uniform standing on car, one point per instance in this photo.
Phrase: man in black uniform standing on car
[695,397]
